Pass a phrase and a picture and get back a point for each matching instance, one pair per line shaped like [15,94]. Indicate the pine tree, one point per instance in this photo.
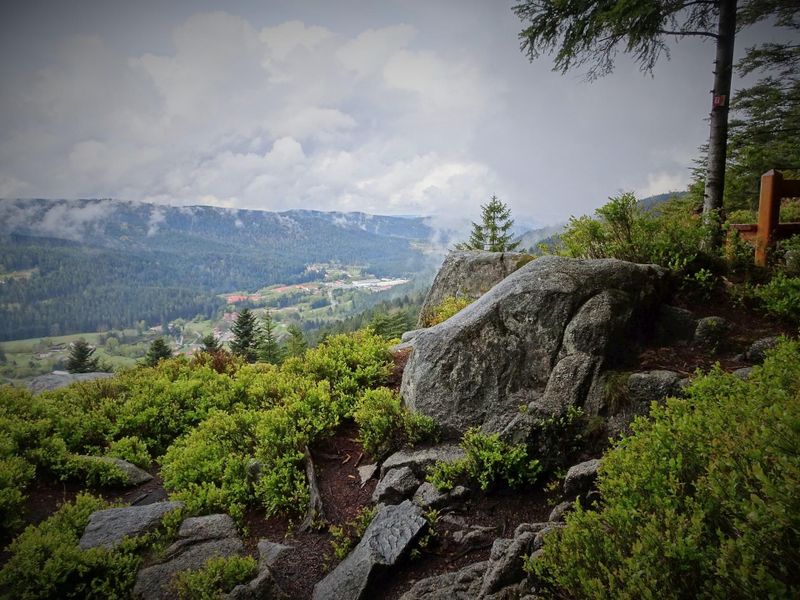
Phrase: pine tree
[493,232]
[296,345]
[211,344]
[269,350]
[246,336]
[158,351]
[80,358]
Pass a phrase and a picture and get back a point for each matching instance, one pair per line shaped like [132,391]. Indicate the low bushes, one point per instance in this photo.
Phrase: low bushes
[446,309]
[384,424]
[217,577]
[700,502]
[488,461]
[46,562]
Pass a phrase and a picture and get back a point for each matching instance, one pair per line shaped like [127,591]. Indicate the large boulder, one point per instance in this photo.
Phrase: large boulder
[536,340]
[469,274]
[199,539]
[107,528]
[385,541]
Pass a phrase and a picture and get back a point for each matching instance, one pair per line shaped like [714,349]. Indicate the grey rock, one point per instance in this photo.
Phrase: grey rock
[397,485]
[529,527]
[107,528]
[427,496]
[209,527]
[135,475]
[653,386]
[675,325]
[469,274]
[474,538]
[270,552]
[560,511]
[641,390]
[391,533]
[419,460]
[743,373]
[757,350]
[711,332]
[452,519]
[505,563]
[60,379]
[464,584]
[367,472]
[581,477]
[260,587]
[554,318]
[156,581]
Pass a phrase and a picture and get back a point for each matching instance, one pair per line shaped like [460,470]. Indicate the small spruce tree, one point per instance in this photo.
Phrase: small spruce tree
[246,336]
[80,358]
[296,345]
[270,350]
[158,351]
[211,344]
[493,232]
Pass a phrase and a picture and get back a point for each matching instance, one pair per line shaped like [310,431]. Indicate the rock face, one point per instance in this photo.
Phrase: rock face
[387,538]
[469,274]
[199,539]
[538,338]
[107,528]
[59,379]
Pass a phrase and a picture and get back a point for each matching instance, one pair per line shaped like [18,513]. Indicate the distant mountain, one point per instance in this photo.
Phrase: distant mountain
[652,202]
[86,264]
[531,239]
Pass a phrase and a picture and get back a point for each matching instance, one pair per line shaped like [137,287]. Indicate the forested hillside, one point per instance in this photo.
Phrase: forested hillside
[88,264]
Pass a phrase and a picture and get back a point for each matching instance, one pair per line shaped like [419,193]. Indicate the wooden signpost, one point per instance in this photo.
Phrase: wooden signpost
[769,229]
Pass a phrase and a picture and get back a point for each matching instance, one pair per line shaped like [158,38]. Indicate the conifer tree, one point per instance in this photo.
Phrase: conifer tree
[80,358]
[246,336]
[493,233]
[158,351]
[296,345]
[211,344]
[269,349]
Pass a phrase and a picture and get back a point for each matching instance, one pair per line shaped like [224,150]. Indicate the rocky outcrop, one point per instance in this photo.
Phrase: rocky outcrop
[385,541]
[538,339]
[59,379]
[199,539]
[107,528]
[469,274]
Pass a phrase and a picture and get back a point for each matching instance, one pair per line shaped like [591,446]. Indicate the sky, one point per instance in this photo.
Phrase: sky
[398,107]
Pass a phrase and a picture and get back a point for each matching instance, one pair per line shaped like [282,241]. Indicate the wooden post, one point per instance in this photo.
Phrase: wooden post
[769,207]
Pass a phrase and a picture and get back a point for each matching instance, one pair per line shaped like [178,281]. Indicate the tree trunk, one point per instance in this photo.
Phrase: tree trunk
[718,136]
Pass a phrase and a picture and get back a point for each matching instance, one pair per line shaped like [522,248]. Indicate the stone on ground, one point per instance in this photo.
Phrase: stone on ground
[581,478]
[419,460]
[397,485]
[107,528]
[134,474]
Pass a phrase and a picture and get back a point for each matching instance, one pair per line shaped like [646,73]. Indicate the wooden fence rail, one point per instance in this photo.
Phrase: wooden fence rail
[769,229]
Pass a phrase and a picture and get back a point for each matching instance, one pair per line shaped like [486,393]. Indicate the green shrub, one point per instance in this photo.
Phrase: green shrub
[15,475]
[218,576]
[132,449]
[350,363]
[700,502]
[669,235]
[446,309]
[781,297]
[384,424]
[46,562]
[488,461]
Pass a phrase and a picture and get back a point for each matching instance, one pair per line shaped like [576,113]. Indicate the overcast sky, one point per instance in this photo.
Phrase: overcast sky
[390,107]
